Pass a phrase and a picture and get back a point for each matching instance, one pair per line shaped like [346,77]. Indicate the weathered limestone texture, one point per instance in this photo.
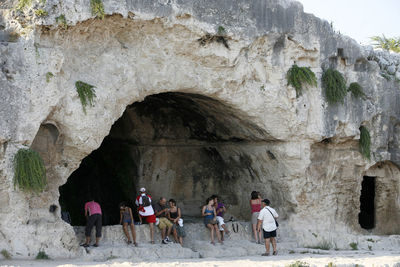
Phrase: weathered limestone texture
[229,115]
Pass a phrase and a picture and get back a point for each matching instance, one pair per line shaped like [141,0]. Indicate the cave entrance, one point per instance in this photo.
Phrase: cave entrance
[366,217]
[176,145]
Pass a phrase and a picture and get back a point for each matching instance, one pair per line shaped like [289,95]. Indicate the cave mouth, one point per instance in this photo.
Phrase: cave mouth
[177,145]
[366,217]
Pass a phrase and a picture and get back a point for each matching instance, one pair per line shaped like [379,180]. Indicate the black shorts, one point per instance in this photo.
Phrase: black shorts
[94,220]
[269,234]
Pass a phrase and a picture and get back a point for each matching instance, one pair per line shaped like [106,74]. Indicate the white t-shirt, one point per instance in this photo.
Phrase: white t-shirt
[147,210]
[268,222]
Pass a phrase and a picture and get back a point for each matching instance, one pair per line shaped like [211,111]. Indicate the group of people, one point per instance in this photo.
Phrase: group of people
[169,220]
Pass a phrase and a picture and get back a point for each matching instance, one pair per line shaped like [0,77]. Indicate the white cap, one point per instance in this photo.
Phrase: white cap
[142,189]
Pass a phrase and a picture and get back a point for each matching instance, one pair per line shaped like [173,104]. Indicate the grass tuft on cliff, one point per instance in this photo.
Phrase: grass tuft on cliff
[86,94]
[23,3]
[29,171]
[42,256]
[41,13]
[365,142]
[299,76]
[49,75]
[335,86]
[62,21]
[356,90]
[97,8]
[5,254]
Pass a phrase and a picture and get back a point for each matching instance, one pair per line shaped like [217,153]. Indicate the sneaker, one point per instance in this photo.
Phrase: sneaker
[164,241]
[85,245]
[95,245]
[167,239]
[265,254]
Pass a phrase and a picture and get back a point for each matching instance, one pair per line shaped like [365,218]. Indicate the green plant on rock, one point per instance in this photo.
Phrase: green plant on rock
[49,75]
[299,76]
[334,85]
[354,246]
[30,173]
[42,256]
[97,8]
[365,142]
[298,264]
[356,90]
[61,21]
[23,3]
[86,94]
[41,13]
[5,254]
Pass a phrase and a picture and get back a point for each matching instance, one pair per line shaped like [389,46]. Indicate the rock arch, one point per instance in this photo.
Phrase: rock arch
[182,146]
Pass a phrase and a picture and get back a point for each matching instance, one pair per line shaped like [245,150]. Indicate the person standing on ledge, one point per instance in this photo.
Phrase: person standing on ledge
[143,201]
[267,218]
[94,218]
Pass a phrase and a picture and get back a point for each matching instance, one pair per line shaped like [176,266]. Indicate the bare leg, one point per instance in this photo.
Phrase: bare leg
[222,235]
[175,235]
[181,241]
[97,240]
[211,227]
[260,235]
[273,241]
[267,245]
[217,232]
[125,228]
[87,240]
[255,233]
[151,232]
[133,233]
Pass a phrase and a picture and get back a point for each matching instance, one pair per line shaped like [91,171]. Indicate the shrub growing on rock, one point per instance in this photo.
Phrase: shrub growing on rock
[298,76]
[365,142]
[42,256]
[86,94]
[356,90]
[334,85]
[97,8]
[5,254]
[29,171]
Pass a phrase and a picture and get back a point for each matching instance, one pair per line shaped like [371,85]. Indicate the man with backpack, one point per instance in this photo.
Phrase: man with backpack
[146,212]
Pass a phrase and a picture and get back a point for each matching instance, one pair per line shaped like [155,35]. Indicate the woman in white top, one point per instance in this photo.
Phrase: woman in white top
[267,219]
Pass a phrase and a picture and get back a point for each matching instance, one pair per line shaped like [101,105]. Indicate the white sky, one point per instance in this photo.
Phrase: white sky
[359,19]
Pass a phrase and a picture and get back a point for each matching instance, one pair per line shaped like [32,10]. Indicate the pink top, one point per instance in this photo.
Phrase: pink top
[93,207]
[255,207]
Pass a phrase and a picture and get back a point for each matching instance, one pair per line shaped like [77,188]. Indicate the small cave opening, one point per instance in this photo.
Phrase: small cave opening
[176,145]
[366,217]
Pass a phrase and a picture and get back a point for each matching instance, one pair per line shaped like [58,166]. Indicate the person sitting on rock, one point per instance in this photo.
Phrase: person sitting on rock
[220,210]
[161,211]
[126,218]
[174,215]
[210,220]
[267,218]
[146,212]
[94,218]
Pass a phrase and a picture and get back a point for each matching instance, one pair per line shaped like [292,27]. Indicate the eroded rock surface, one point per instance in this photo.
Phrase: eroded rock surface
[243,123]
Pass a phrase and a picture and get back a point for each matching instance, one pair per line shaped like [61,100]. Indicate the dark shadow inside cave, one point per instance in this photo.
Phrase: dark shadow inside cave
[177,145]
[366,217]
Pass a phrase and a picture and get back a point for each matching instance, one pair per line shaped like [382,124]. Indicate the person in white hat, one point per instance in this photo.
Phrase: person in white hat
[146,212]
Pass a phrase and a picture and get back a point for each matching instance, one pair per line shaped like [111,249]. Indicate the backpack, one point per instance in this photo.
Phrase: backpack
[145,201]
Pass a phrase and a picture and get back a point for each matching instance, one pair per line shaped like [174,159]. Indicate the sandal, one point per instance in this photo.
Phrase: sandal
[275,253]
[152,242]
[212,242]
[135,244]
[129,242]
[95,245]
[85,245]
[265,254]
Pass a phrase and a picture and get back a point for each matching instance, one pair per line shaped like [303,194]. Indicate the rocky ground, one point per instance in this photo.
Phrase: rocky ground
[307,257]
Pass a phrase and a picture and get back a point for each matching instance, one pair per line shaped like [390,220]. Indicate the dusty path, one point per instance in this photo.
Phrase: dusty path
[375,259]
